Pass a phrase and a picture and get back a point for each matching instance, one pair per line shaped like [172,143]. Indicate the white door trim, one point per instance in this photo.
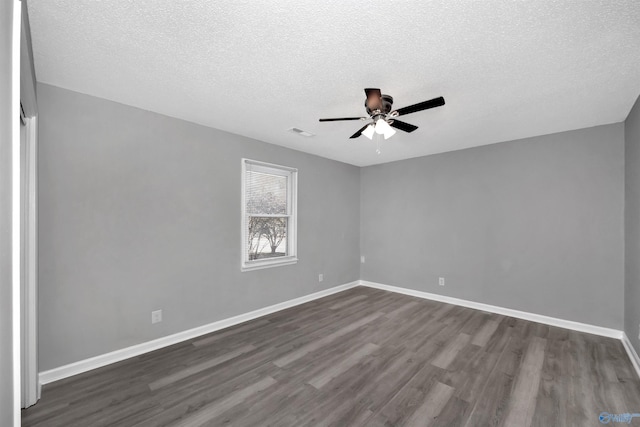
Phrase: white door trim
[28,296]
[15,210]
[30,385]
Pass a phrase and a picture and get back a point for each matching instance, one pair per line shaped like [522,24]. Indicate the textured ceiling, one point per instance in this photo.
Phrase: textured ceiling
[507,69]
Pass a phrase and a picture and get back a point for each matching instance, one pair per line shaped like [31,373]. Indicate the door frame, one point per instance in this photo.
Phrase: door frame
[31,387]
[27,227]
[15,211]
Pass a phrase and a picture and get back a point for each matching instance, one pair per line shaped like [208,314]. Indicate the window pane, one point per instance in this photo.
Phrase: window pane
[266,194]
[267,237]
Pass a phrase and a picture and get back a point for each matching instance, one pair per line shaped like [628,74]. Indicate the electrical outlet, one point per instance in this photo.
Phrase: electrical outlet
[362,259]
[156,316]
[441,281]
[320,277]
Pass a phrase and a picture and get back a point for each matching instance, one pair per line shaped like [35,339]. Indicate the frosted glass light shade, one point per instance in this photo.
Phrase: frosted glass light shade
[368,132]
[383,128]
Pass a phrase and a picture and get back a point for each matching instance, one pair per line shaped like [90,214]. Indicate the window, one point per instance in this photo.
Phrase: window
[268,215]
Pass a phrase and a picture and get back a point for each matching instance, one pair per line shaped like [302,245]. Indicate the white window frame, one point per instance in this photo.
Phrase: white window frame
[292,205]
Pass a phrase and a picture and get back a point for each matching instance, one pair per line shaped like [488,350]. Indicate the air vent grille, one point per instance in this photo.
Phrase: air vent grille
[300,132]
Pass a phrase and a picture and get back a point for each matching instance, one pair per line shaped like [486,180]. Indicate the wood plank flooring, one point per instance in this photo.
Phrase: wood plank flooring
[363,357]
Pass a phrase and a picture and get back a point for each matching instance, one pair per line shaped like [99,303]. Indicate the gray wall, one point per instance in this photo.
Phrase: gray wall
[6,121]
[632,226]
[139,211]
[533,225]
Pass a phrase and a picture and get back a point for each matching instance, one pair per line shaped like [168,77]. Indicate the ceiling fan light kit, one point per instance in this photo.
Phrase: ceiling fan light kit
[378,108]
[383,128]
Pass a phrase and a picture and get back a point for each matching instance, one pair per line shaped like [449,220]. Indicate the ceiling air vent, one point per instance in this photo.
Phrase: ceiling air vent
[300,132]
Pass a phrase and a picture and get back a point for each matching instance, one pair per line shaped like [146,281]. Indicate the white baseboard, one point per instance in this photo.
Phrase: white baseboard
[81,366]
[553,321]
[631,352]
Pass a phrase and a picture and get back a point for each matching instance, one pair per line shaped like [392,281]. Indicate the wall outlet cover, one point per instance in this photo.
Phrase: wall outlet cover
[156,316]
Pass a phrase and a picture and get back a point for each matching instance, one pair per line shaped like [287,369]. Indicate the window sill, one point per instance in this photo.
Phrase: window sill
[259,265]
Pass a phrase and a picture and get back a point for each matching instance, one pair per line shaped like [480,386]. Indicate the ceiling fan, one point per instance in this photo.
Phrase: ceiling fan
[384,120]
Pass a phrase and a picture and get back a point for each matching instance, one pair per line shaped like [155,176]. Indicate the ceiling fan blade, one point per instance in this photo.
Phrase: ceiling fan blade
[374,98]
[435,102]
[357,134]
[403,126]
[343,118]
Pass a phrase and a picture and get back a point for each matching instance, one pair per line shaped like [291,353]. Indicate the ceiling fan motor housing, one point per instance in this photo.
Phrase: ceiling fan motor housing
[386,102]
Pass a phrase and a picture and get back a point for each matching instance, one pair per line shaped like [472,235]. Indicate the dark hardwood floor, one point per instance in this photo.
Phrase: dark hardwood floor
[363,357]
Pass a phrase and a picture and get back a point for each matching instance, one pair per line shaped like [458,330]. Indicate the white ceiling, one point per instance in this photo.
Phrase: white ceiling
[507,69]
